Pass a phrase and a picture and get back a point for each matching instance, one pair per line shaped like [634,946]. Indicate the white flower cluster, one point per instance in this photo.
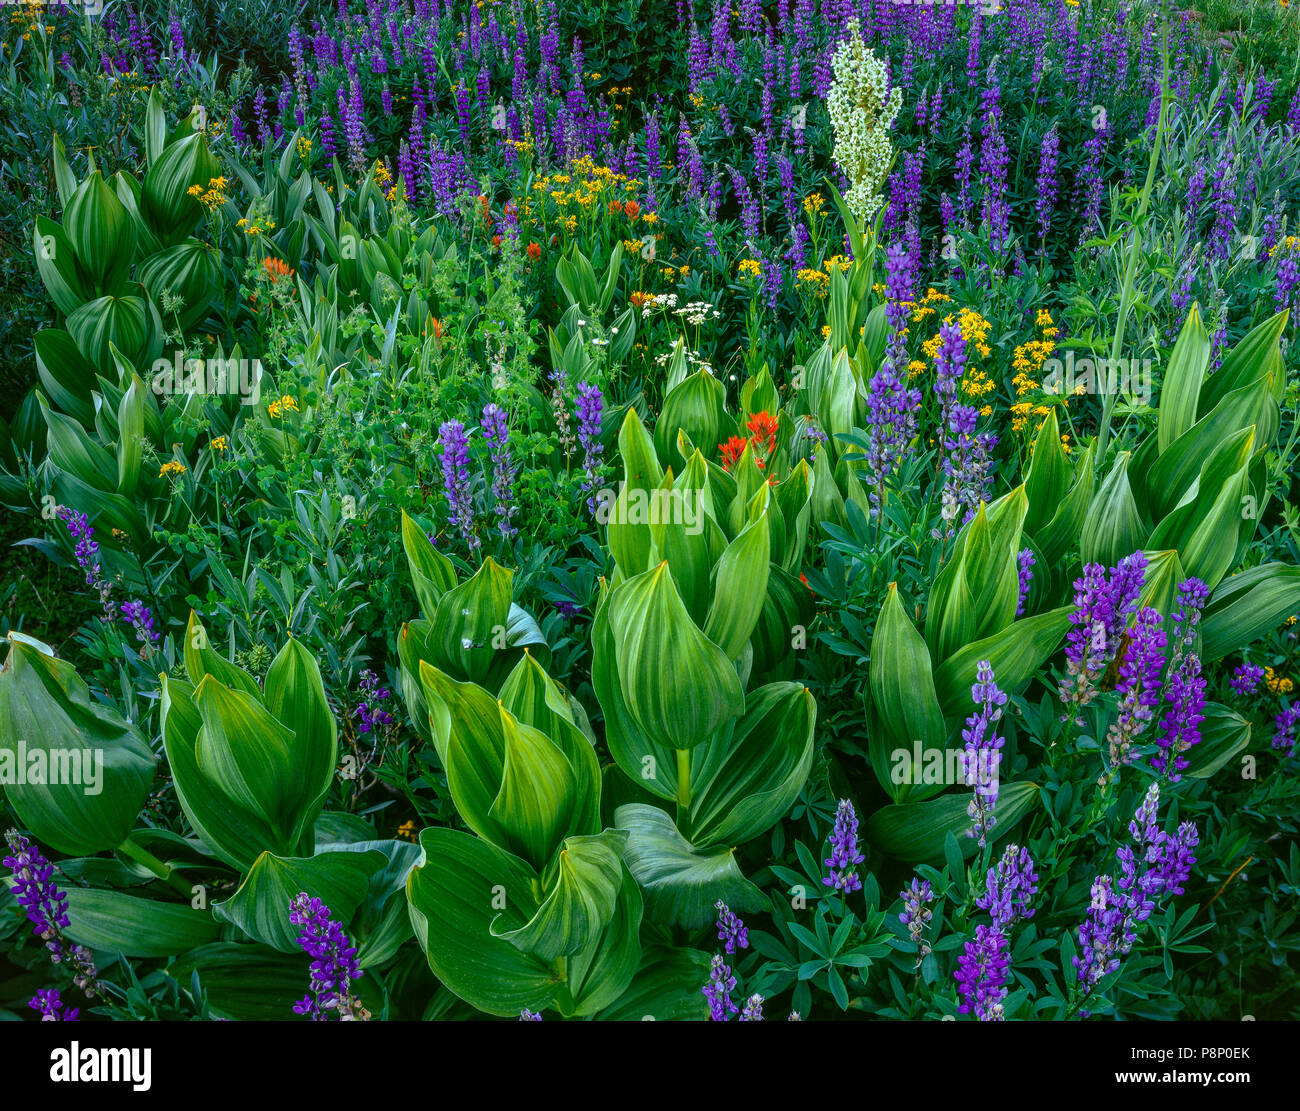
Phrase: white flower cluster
[697,312]
[861,117]
[658,301]
[692,359]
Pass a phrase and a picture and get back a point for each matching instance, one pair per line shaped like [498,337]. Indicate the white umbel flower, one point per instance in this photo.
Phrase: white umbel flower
[861,117]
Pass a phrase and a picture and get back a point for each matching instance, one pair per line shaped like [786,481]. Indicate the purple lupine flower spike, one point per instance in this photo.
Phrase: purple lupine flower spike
[1246,679]
[52,1008]
[590,406]
[916,914]
[1180,727]
[1009,887]
[722,982]
[753,1011]
[1025,572]
[845,855]
[1155,866]
[530,1016]
[47,908]
[1138,685]
[334,963]
[370,714]
[983,751]
[504,469]
[982,974]
[455,479]
[1284,734]
[731,930]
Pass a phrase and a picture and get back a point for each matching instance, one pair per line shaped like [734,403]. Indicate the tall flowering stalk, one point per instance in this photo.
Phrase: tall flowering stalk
[982,968]
[861,114]
[845,855]
[982,974]
[916,915]
[370,713]
[732,932]
[891,405]
[983,751]
[965,451]
[590,406]
[47,909]
[1103,604]
[1180,727]
[1025,575]
[497,434]
[455,479]
[334,963]
[721,983]
[1152,869]
[52,1008]
[1138,687]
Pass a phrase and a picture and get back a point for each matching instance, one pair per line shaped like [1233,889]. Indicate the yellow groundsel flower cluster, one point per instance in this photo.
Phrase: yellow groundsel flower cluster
[219,443]
[1277,684]
[586,186]
[1290,243]
[280,406]
[925,307]
[815,281]
[258,225]
[750,268]
[1027,361]
[213,196]
[814,204]
[169,469]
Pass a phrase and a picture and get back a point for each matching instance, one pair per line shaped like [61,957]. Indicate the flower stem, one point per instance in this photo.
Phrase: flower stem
[164,872]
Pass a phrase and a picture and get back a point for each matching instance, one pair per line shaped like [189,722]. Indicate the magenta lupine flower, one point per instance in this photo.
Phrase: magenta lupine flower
[1246,679]
[52,1008]
[1154,867]
[1025,573]
[753,1011]
[916,914]
[590,406]
[732,932]
[1138,685]
[891,405]
[334,963]
[845,855]
[966,451]
[1009,887]
[982,974]
[504,469]
[371,715]
[1103,604]
[1180,727]
[1048,185]
[455,479]
[137,615]
[1288,280]
[983,751]
[1099,940]
[47,908]
[87,549]
[722,982]
[1284,735]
